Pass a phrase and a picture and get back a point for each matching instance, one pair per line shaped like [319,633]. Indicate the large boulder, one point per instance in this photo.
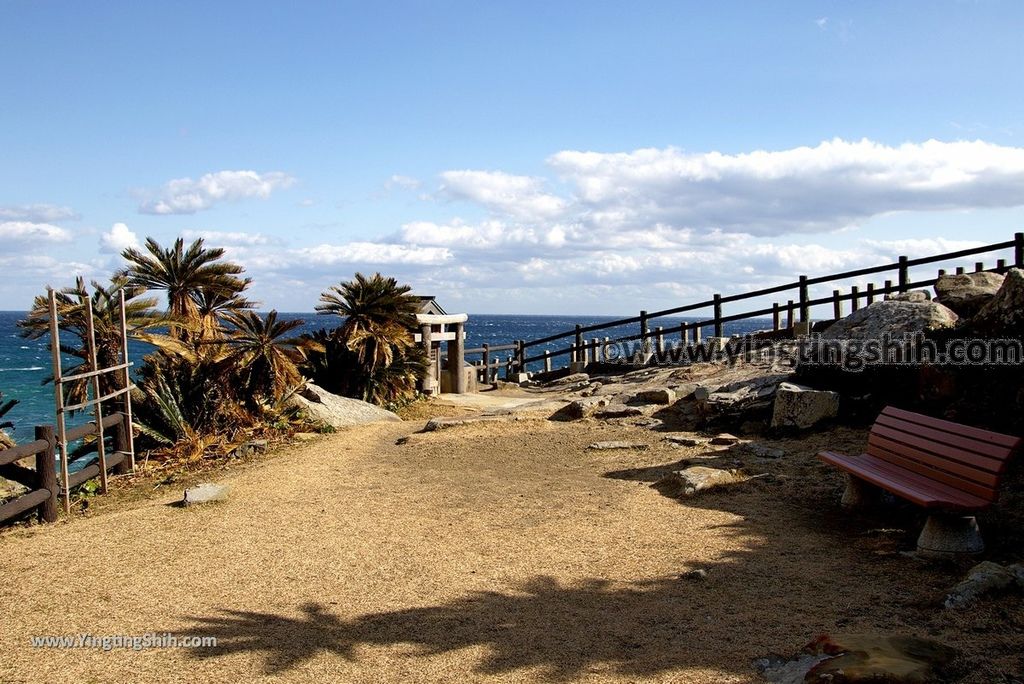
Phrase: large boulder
[967,293]
[891,317]
[320,405]
[1003,314]
[801,407]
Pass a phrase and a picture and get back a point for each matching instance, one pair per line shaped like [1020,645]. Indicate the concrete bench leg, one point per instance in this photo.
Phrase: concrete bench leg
[859,494]
[946,535]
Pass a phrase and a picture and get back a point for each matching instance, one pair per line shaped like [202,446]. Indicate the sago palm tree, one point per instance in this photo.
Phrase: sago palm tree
[379,317]
[141,317]
[261,353]
[213,305]
[182,273]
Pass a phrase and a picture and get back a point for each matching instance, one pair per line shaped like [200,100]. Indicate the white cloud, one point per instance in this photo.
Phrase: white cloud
[802,190]
[503,193]
[26,231]
[187,196]
[118,239]
[822,22]
[36,213]
[398,181]
[369,253]
[215,238]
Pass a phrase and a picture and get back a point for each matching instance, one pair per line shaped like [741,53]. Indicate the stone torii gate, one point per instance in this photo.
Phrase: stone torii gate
[436,327]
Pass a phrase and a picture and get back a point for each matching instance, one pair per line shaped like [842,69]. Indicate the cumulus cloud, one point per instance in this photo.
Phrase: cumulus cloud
[118,239]
[801,190]
[187,196]
[28,231]
[36,213]
[519,196]
[374,253]
[217,238]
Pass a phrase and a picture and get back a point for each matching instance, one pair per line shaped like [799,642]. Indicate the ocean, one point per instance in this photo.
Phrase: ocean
[25,363]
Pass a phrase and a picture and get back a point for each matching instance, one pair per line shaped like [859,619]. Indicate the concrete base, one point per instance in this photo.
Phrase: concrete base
[946,535]
[860,494]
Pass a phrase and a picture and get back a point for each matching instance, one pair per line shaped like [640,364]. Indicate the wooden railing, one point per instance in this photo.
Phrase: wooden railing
[796,309]
[44,485]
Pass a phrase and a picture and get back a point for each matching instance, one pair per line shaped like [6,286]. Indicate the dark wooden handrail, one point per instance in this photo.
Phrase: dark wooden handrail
[802,304]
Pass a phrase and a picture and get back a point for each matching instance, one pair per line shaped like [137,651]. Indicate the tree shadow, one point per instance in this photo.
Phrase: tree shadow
[636,630]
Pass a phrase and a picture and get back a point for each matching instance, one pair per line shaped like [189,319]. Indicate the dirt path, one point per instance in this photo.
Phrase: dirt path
[487,553]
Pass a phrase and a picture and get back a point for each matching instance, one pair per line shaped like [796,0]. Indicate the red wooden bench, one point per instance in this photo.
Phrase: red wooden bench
[948,468]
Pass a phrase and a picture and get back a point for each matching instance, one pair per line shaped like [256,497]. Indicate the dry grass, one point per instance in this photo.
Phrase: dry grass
[503,552]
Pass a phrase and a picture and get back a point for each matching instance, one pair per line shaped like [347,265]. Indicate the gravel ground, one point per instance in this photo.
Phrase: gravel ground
[493,552]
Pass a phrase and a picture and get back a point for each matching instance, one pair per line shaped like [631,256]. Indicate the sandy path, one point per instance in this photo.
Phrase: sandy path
[497,554]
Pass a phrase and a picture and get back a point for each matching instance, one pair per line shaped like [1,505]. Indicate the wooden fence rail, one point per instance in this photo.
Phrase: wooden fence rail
[798,309]
[43,483]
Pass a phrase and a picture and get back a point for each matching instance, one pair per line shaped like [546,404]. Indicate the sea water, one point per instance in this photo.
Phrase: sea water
[25,364]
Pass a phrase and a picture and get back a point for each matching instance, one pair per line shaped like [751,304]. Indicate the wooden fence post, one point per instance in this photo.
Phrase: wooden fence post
[805,310]
[854,295]
[837,304]
[870,298]
[1018,250]
[684,334]
[959,270]
[888,288]
[789,315]
[121,444]
[595,346]
[775,316]
[46,472]
[979,267]
[660,340]
[644,330]
[487,362]
[1001,266]
[577,346]
[547,361]
[718,315]
[904,274]
[521,356]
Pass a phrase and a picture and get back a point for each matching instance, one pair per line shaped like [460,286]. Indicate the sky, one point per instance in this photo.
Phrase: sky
[508,157]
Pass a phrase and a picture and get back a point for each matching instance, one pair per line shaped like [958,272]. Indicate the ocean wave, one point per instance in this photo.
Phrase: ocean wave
[27,368]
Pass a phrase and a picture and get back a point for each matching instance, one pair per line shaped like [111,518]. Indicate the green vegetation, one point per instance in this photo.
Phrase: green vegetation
[374,344]
[221,373]
[5,441]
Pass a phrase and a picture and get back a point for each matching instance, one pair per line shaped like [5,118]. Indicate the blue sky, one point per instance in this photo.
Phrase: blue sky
[509,157]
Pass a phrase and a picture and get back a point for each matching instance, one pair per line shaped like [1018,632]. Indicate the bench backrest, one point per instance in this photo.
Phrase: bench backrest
[967,458]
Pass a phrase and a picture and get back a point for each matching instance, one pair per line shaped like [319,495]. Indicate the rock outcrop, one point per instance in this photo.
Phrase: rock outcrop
[801,407]
[967,293]
[322,406]
[1003,314]
[892,317]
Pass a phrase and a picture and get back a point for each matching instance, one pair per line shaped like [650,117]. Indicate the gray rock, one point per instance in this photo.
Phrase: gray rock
[912,296]
[701,393]
[572,379]
[683,440]
[321,405]
[891,317]
[659,395]
[618,411]
[446,423]
[802,407]
[697,479]
[725,439]
[967,293]
[251,448]
[698,575]
[765,451]
[984,578]
[581,408]
[207,492]
[604,446]
[1004,313]
[306,436]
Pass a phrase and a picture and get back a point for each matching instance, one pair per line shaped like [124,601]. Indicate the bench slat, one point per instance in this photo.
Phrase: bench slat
[901,462]
[988,449]
[932,459]
[908,485]
[941,451]
[1009,442]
